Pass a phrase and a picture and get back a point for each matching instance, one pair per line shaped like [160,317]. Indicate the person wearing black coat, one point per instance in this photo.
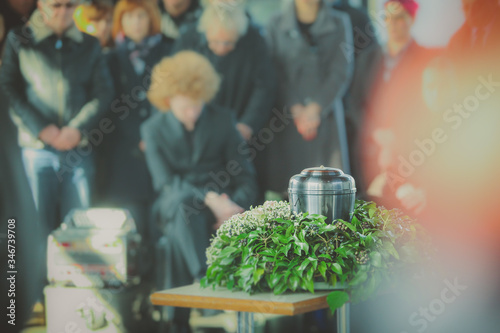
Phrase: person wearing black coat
[235,47]
[58,85]
[15,13]
[17,214]
[176,13]
[124,179]
[200,177]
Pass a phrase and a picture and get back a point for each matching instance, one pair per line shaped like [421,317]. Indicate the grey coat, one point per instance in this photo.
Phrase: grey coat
[319,73]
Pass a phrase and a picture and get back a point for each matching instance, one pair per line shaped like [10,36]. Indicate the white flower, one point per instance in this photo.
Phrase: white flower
[246,222]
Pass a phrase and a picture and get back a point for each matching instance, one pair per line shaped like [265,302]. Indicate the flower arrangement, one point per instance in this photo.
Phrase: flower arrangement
[269,248]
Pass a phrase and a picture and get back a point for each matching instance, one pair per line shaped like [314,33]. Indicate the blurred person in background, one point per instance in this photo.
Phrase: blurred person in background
[394,102]
[58,85]
[123,177]
[176,13]
[365,50]
[313,76]
[96,19]
[187,144]
[478,38]
[235,47]
[15,13]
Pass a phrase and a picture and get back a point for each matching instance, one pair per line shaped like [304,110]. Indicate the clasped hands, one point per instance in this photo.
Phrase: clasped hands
[307,119]
[222,207]
[62,139]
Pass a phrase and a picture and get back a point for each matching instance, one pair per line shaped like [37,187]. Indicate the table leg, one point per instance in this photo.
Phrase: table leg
[245,322]
[343,325]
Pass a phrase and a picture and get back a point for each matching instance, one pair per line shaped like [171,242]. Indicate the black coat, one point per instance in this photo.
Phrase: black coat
[48,81]
[248,79]
[16,202]
[123,174]
[185,166]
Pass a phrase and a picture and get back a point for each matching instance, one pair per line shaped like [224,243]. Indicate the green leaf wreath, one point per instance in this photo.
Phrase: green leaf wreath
[268,248]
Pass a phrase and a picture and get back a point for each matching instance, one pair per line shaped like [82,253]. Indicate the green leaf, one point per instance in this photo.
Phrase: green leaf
[389,247]
[336,268]
[341,251]
[245,272]
[293,282]
[354,221]
[286,248]
[309,284]
[303,266]
[228,250]
[275,278]
[322,269]
[280,288]
[336,299]
[284,239]
[227,261]
[333,279]
[257,275]
[310,274]
[230,284]
[359,278]
[204,282]
[219,277]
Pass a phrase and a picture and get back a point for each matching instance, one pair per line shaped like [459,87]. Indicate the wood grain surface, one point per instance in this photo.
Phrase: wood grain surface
[193,296]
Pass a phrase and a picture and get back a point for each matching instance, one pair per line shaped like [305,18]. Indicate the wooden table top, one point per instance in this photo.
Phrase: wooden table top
[193,296]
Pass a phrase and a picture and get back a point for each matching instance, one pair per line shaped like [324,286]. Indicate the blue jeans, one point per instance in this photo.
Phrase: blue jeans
[60,182]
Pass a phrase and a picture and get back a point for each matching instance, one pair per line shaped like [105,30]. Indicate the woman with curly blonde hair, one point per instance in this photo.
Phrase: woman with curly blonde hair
[201,176]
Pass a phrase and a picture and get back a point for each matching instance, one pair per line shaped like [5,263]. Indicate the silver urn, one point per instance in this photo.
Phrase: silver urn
[325,191]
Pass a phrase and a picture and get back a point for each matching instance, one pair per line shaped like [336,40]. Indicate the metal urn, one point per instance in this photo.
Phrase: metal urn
[325,191]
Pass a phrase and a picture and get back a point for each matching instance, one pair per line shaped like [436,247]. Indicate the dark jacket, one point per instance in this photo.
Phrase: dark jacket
[16,202]
[11,18]
[186,165]
[320,73]
[170,26]
[126,174]
[248,80]
[48,81]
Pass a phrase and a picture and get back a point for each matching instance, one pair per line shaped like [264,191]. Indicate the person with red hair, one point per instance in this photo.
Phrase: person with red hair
[123,177]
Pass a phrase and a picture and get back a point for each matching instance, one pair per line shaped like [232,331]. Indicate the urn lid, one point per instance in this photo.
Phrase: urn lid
[322,180]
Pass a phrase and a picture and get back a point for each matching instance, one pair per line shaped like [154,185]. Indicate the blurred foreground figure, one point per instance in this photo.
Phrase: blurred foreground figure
[394,107]
[313,76]
[198,173]
[451,159]
[17,214]
[58,84]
